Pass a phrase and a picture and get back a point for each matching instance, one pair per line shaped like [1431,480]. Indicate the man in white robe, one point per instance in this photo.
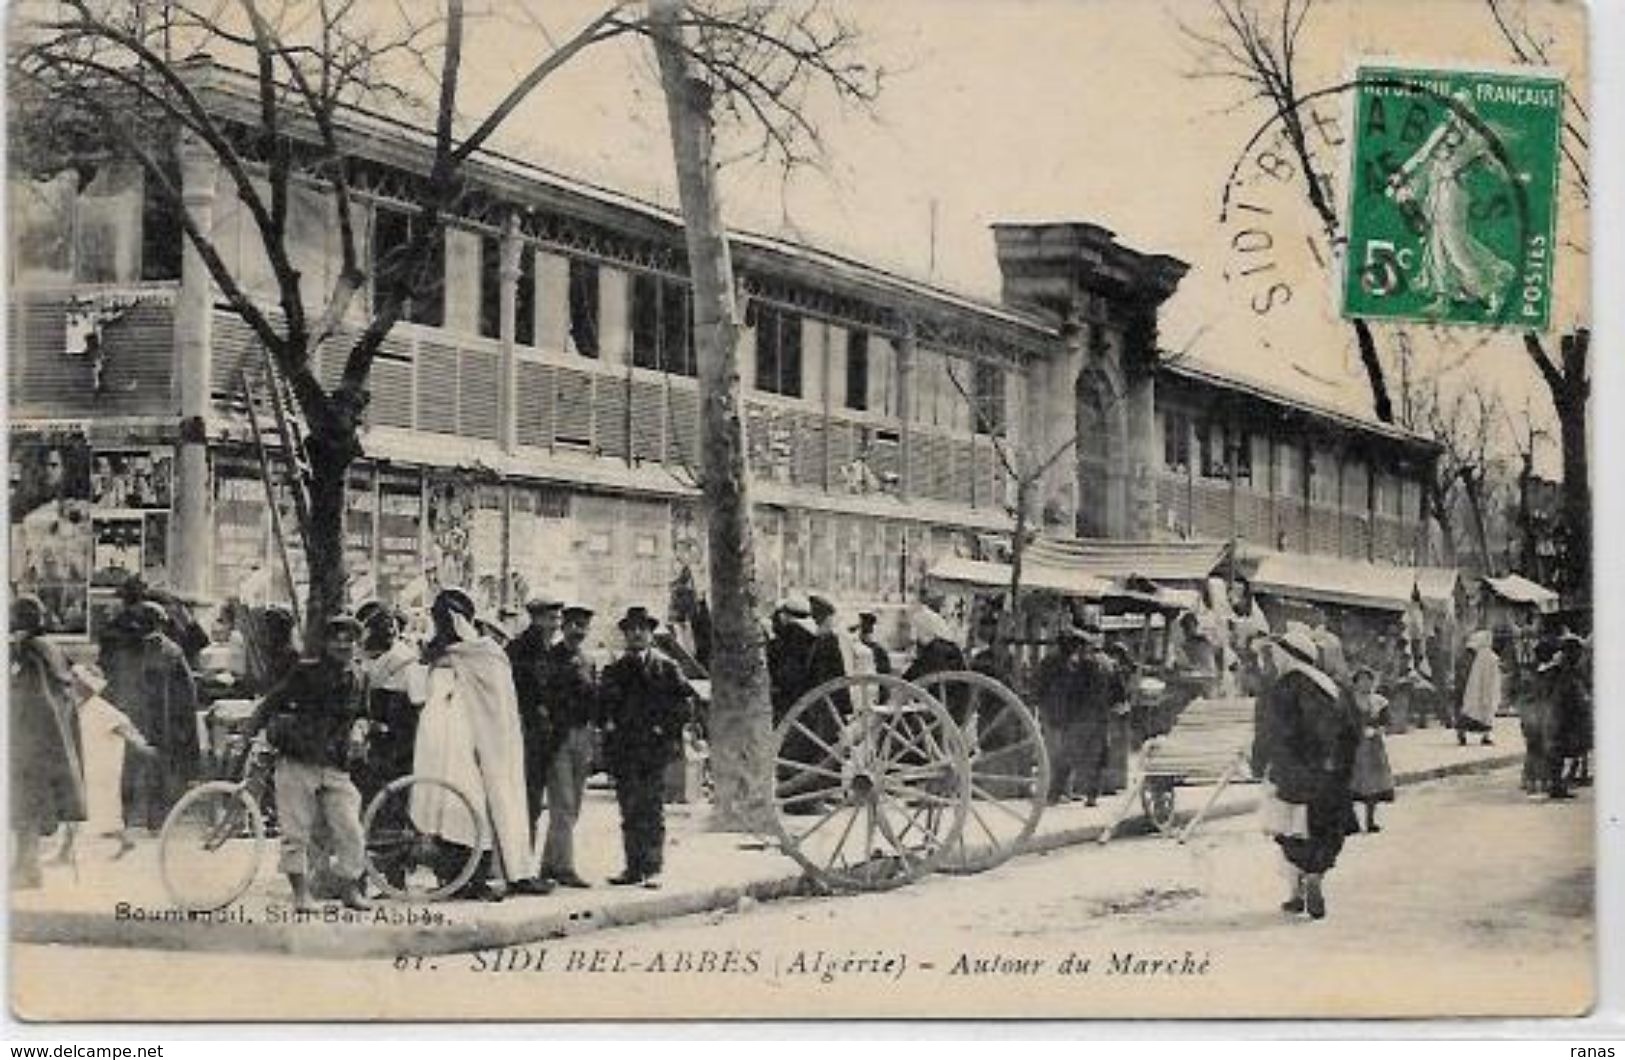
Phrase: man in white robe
[469,735]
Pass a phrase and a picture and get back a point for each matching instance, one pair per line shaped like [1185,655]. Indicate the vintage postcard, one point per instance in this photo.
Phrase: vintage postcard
[601,510]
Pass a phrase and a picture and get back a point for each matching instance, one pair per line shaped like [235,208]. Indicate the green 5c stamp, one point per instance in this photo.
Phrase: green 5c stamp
[1453,197]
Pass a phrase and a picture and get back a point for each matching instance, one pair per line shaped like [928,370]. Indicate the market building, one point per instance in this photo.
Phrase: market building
[534,425]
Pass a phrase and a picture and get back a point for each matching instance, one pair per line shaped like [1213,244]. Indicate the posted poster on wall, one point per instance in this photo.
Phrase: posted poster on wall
[51,532]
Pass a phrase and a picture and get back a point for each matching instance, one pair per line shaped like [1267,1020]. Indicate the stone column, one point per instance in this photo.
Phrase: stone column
[191,531]
[1144,455]
[1057,401]
[507,328]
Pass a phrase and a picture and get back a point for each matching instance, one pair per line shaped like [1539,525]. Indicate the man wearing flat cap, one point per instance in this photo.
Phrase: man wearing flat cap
[789,653]
[569,684]
[312,719]
[645,702]
[527,654]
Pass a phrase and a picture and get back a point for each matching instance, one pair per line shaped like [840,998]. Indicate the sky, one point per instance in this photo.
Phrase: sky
[1086,110]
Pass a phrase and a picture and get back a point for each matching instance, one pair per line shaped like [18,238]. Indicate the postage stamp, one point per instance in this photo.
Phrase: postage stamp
[1452,198]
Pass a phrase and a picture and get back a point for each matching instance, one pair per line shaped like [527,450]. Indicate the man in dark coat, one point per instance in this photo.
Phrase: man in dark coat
[158,693]
[827,657]
[47,787]
[526,653]
[570,689]
[788,654]
[789,659]
[314,719]
[1077,690]
[1570,715]
[645,706]
[1303,747]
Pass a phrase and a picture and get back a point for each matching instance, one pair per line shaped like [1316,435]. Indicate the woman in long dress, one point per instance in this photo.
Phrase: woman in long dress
[1481,694]
[469,736]
[1373,778]
[47,786]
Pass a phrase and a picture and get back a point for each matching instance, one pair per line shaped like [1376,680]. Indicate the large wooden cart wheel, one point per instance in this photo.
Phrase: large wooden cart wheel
[871,782]
[1009,768]
[1157,798]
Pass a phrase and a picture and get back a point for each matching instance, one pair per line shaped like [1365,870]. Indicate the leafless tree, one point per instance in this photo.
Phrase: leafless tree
[1566,370]
[752,64]
[1256,47]
[107,78]
[1466,474]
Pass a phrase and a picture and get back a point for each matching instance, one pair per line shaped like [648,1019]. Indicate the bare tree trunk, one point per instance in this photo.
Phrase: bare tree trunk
[325,557]
[741,733]
[1571,418]
[1472,483]
[1381,403]
[1439,503]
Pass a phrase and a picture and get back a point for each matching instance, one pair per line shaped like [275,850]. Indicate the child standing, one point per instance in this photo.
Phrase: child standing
[104,730]
[1373,779]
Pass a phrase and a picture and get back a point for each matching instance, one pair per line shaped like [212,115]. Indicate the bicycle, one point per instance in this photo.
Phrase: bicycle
[212,844]
[213,839]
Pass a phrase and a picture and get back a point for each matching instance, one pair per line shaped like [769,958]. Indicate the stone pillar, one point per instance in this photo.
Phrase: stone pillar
[1058,424]
[191,530]
[1144,455]
[507,328]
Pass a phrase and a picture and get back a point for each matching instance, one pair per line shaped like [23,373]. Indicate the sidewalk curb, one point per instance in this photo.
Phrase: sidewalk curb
[351,940]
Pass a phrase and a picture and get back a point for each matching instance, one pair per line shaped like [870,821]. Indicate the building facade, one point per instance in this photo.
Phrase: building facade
[534,423]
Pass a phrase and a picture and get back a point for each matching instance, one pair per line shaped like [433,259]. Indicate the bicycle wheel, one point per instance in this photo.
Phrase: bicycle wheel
[408,861]
[210,847]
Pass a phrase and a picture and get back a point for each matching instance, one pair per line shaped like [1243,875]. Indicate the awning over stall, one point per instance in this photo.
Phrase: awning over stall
[1039,576]
[1328,579]
[1516,589]
[1163,562]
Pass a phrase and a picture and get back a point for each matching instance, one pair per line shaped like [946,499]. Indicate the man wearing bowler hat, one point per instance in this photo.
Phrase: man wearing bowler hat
[570,688]
[645,702]
[527,654]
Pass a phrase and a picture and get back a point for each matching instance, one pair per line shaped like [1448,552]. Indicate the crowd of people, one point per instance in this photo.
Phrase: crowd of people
[512,727]
[517,721]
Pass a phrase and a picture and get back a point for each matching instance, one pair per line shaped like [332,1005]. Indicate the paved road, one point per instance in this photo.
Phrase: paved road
[1473,899]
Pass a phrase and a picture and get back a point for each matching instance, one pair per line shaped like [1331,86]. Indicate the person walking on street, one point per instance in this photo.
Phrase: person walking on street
[314,720]
[645,706]
[47,786]
[1303,750]
[526,654]
[163,706]
[570,688]
[1481,695]
[1570,726]
[1373,779]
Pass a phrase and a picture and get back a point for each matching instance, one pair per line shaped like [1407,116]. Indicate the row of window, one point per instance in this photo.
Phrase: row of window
[117,231]
[1217,444]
